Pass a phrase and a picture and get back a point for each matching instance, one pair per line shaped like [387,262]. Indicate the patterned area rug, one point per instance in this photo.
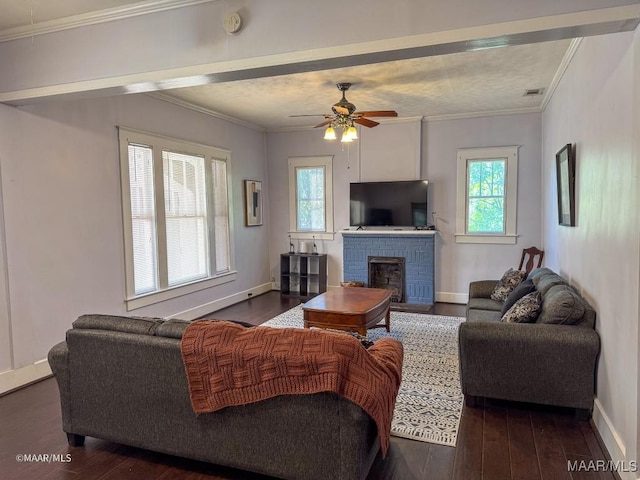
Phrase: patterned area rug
[429,403]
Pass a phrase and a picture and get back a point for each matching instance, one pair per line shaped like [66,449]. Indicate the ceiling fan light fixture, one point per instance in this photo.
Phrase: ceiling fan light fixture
[352,132]
[330,133]
[346,138]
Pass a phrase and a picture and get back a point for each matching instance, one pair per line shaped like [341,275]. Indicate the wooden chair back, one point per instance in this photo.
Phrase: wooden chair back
[531,254]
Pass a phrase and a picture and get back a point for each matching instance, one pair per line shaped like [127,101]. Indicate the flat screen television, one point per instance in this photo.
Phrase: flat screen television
[388,204]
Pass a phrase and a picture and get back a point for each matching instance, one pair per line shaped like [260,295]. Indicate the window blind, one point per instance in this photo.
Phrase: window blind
[143,218]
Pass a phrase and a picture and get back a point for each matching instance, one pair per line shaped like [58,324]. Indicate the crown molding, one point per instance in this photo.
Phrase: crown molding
[562,68]
[212,113]
[92,18]
[487,113]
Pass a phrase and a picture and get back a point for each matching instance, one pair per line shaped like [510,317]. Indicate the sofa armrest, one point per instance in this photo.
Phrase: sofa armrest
[58,358]
[549,364]
[482,288]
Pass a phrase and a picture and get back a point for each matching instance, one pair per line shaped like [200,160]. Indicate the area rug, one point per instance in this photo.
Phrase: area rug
[429,402]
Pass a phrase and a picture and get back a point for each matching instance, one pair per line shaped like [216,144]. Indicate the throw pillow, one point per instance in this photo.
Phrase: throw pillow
[517,293]
[510,280]
[524,310]
[562,305]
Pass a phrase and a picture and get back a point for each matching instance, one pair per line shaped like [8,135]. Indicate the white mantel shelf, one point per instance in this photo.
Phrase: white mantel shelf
[388,232]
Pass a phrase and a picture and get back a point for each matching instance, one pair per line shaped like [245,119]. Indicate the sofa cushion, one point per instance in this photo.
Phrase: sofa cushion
[562,305]
[175,328]
[525,310]
[484,304]
[539,272]
[140,325]
[544,282]
[510,280]
[520,291]
[483,315]
[172,328]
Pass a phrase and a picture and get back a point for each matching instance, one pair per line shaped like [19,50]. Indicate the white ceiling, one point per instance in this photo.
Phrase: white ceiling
[469,83]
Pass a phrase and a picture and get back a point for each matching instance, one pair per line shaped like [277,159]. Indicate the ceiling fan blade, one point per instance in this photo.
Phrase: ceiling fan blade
[378,113]
[366,122]
[326,122]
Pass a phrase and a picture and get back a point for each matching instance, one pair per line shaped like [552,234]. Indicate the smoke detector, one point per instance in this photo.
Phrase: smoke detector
[232,23]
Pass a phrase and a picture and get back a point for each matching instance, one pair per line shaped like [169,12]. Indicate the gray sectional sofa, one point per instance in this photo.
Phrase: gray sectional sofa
[122,379]
[541,362]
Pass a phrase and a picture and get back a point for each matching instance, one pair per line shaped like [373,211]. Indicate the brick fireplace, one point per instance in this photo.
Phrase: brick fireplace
[415,247]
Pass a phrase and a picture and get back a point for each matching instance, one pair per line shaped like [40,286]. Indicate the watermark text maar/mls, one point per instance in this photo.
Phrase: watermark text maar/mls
[602,466]
[43,457]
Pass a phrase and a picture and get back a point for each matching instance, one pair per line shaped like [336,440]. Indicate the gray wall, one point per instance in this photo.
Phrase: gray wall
[596,107]
[458,263]
[63,218]
[281,146]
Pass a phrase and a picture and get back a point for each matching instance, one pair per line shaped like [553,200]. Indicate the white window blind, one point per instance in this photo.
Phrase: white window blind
[186,217]
[221,215]
[176,217]
[143,218]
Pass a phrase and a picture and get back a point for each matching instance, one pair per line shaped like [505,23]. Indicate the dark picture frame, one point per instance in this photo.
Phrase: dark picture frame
[565,175]
[253,203]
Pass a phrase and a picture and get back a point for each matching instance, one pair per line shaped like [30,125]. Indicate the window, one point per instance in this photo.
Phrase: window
[487,195]
[311,197]
[176,217]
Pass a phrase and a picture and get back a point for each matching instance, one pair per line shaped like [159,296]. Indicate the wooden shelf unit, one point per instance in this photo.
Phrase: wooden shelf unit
[303,274]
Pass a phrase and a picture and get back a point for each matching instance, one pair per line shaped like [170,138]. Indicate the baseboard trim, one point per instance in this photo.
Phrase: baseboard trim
[611,439]
[14,379]
[193,313]
[449,297]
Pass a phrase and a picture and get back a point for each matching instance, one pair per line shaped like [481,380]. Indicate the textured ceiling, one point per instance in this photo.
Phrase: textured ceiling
[484,81]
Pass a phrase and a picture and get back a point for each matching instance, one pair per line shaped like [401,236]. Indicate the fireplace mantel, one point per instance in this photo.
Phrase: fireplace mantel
[387,232]
[416,246]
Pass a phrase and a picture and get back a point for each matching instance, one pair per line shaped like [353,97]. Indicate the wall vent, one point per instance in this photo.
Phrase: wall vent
[533,92]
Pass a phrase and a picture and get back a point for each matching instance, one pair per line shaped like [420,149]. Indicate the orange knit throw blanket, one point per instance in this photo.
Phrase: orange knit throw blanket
[228,364]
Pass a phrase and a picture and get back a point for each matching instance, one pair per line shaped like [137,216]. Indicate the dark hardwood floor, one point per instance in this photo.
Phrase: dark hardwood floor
[497,440]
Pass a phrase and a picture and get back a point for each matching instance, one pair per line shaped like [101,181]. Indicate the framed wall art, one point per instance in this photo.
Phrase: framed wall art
[253,203]
[565,175]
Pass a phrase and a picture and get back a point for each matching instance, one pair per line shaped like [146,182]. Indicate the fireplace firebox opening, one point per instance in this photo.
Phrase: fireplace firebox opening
[388,273]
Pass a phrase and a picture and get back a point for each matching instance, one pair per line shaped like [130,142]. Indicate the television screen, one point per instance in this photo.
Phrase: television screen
[390,204]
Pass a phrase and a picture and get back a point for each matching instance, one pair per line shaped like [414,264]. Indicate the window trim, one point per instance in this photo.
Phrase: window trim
[325,161]
[510,153]
[159,143]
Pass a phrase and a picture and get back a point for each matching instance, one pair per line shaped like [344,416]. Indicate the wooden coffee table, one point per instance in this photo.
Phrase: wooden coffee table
[345,308]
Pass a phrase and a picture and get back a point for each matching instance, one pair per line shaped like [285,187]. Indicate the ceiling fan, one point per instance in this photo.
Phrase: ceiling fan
[345,116]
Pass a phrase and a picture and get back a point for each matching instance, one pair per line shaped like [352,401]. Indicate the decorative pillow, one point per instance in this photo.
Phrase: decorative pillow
[517,293]
[524,310]
[562,305]
[510,280]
